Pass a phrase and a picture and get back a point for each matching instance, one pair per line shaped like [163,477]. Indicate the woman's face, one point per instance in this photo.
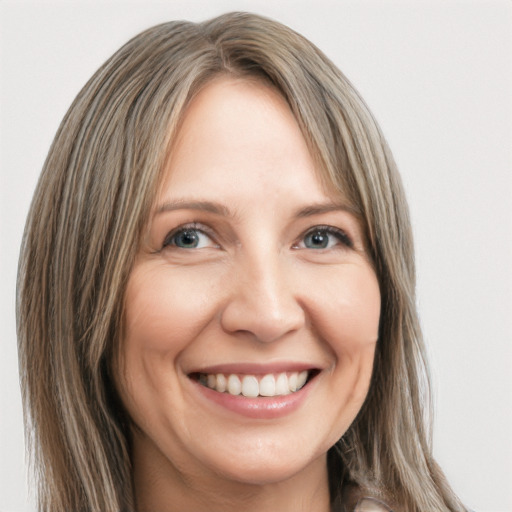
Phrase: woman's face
[252,280]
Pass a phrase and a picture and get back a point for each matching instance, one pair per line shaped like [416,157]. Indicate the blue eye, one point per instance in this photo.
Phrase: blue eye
[317,240]
[325,238]
[189,238]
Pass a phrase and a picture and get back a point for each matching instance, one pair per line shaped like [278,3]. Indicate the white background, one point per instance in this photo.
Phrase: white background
[438,77]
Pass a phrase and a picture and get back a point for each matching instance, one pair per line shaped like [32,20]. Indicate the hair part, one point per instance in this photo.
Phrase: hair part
[90,209]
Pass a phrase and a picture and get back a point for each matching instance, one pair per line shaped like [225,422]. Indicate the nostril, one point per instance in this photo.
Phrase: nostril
[263,322]
[262,302]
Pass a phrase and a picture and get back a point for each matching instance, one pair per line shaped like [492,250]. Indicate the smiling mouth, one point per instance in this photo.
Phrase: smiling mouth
[268,385]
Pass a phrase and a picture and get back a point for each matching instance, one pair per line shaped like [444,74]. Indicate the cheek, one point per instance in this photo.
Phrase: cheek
[346,311]
[347,321]
[163,312]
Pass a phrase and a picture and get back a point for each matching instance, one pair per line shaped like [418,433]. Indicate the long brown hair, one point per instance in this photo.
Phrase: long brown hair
[91,205]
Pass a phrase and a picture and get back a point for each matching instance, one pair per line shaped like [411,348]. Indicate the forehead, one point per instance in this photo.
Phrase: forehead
[237,133]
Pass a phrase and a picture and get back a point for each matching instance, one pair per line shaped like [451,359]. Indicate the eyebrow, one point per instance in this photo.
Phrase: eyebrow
[207,206]
[317,209]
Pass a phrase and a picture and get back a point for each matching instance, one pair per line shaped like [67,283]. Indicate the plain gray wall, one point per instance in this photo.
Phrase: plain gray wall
[438,77]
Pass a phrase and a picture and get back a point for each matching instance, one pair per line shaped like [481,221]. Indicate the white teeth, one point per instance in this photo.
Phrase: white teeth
[268,386]
[234,385]
[282,387]
[292,381]
[222,383]
[249,385]
[301,379]
[211,381]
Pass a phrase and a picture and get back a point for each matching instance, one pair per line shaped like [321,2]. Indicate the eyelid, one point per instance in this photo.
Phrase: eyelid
[195,226]
[339,233]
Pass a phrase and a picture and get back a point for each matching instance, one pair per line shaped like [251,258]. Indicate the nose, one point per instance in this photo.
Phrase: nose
[263,301]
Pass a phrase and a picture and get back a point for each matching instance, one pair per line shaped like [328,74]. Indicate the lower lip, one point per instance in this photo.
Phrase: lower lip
[258,408]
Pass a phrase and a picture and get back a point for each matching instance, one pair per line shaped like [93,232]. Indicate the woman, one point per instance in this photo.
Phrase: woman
[216,288]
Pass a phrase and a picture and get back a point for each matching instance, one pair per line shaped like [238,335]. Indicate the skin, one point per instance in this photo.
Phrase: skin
[253,291]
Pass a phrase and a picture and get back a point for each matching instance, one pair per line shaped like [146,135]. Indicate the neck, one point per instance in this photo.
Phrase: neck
[161,486]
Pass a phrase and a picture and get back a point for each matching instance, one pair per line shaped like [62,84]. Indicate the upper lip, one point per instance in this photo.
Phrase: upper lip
[255,368]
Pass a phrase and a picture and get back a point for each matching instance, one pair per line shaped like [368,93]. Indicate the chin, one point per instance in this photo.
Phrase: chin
[266,464]
[263,473]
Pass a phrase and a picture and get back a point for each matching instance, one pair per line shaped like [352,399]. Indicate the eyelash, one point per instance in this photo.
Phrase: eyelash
[199,228]
[330,230]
